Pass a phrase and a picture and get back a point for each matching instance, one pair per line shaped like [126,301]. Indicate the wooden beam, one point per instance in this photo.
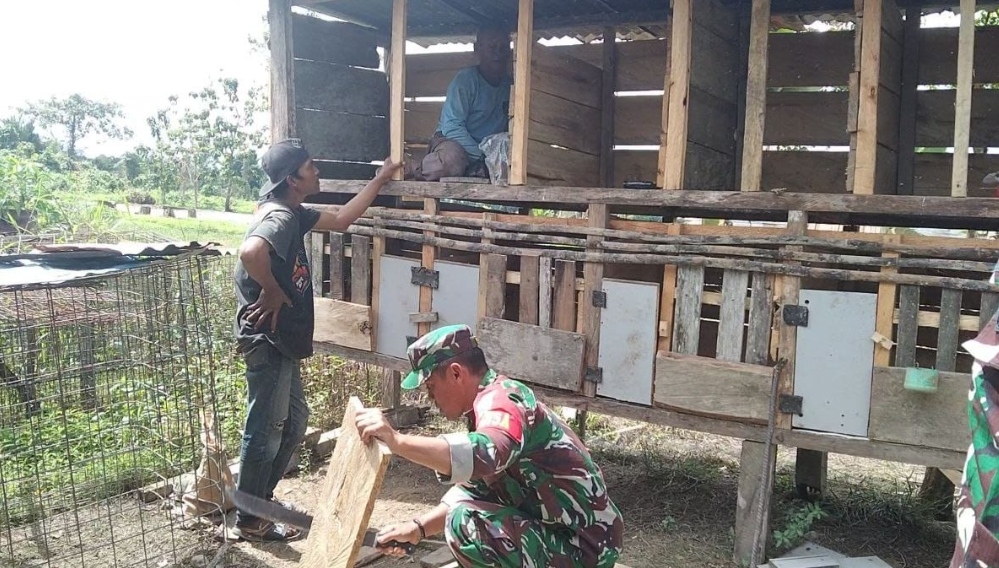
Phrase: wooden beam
[866,153]
[907,106]
[608,85]
[884,321]
[495,286]
[397,85]
[545,291]
[668,298]
[521,106]
[282,70]
[673,151]
[360,270]
[524,352]
[564,310]
[428,260]
[529,290]
[797,224]
[336,266]
[343,323]
[756,97]
[593,277]
[962,108]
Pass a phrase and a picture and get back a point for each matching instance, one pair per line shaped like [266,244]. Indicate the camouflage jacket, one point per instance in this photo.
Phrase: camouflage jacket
[518,453]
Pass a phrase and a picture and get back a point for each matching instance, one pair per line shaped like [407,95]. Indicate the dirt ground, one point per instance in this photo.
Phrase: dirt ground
[676,489]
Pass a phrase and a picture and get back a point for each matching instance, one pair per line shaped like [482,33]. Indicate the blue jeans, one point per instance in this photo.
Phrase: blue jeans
[275,421]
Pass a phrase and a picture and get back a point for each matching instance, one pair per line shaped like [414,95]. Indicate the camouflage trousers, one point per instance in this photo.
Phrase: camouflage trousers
[977,507]
[484,534]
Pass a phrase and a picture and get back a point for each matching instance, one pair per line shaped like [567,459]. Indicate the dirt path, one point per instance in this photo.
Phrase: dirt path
[203,214]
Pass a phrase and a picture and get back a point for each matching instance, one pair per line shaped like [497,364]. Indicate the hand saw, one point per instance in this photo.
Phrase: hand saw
[273,511]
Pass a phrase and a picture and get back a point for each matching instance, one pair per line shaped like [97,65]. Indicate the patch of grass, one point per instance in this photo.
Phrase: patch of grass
[179,229]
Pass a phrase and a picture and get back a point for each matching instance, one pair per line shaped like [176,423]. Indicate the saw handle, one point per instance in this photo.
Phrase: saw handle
[408,547]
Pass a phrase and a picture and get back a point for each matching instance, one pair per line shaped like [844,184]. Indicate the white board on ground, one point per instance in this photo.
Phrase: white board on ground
[629,327]
[397,298]
[456,300]
[834,361]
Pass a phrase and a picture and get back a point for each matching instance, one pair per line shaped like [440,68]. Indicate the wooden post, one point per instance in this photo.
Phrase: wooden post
[495,286]
[317,247]
[521,93]
[360,270]
[593,276]
[397,85]
[797,223]
[673,150]
[282,70]
[484,267]
[529,289]
[668,298]
[564,310]
[885,320]
[545,291]
[336,266]
[866,154]
[756,97]
[429,258]
[962,107]
[608,86]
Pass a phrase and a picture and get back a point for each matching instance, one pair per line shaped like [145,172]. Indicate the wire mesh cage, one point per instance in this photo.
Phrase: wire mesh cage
[108,393]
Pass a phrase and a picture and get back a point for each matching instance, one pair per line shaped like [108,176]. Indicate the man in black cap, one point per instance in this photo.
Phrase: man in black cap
[274,319]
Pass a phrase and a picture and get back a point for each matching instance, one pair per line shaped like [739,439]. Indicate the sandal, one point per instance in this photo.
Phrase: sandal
[267,531]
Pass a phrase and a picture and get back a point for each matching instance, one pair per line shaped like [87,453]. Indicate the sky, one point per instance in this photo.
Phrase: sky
[134,52]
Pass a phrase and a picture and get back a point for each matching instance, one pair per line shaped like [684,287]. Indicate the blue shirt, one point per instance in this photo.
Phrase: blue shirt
[474,109]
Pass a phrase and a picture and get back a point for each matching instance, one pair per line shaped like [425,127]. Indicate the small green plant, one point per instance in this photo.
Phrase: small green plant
[669,523]
[797,523]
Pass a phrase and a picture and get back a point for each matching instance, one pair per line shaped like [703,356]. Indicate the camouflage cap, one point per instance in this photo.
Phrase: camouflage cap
[434,348]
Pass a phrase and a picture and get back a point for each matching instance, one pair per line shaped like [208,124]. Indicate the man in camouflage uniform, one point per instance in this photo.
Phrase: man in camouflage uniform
[977,508]
[525,490]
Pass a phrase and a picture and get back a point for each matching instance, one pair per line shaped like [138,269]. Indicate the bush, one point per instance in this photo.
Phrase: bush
[140,198]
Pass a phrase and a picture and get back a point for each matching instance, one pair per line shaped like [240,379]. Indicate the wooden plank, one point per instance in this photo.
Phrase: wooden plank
[560,166]
[391,392]
[556,72]
[962,108]
[558,121]
[336,266]
[422,119]
[865,162]
[637,120]
[935,124]
[751,491]
[378,250]
[825,171]
[947,340]
[807,118]
[934,174]
[608,84]
[711,387]
[317,261]
[756,97]
[687,323]
[709,169]
[429,74]
[907,103]
[282,99]
[668,298]
[711,122]
[340,136]
[990,303]
[564,306]
[635,165]
[787,335]
[884,320]
[334,42]
[495,292]
[593,274]
[360,269]
[673,153]
[397,85]
[521,104]
[524,352]
[640,64]
[761,311]
[529,291]
[793,62]
[732,315]
[338,88]
[428,260]
[343,323]
[938,55]
[352,483]
[937,420]
[344,170]
[545,291]
[908,326]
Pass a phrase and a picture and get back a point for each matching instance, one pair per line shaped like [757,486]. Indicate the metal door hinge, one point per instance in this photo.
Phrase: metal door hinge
[790,404]
[594,375]
[599,299]
[425,277]
[795,315]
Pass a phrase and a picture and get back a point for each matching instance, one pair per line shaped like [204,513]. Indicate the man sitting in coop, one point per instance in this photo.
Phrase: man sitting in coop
[477,106]
[525,489]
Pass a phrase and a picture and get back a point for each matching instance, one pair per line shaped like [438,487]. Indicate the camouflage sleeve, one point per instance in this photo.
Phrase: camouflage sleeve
[496,442]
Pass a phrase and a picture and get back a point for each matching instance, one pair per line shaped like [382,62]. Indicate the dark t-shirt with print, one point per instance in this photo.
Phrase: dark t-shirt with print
[283,227]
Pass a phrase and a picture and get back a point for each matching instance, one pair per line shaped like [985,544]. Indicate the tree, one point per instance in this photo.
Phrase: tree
[79,117]
[17,130]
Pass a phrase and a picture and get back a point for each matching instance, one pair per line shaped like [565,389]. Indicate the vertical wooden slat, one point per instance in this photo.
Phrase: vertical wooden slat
[756,97]
[376,267]
[608,84]
[673,150]
[962,106]
[687,325]
[529,290]
[950,321]
[487,239]
[317,258]
[564,311]
[397,85]
[360,269]
[521,93]
[598,217]
[908,326]
[797,223]
[545,291]
[907,106]
[990,303]
[495,291]
[282,70]
[732,315]
[336,266]
[761,310]
[884,320]
[865,164]
[668,298]
[428,260]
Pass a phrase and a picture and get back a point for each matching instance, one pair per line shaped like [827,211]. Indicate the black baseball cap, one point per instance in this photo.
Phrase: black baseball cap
[280,161]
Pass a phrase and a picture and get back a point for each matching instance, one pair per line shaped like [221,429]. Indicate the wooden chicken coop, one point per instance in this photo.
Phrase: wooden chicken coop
[721,221]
